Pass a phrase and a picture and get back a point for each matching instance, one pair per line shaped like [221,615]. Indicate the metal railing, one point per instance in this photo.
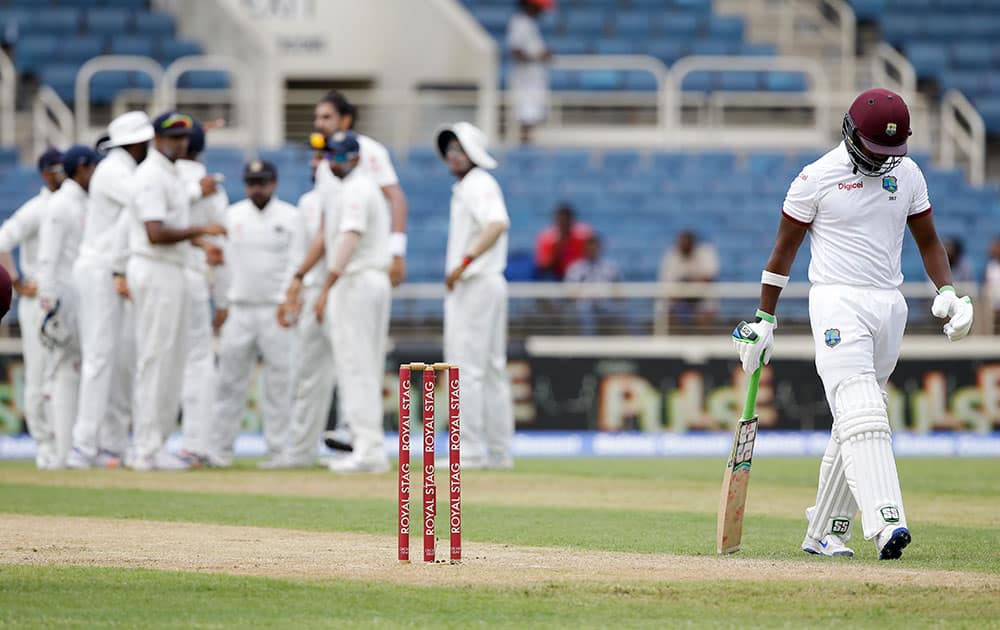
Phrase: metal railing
[52,121]
[87,133]
[8,103]
[963,129]
[242,130]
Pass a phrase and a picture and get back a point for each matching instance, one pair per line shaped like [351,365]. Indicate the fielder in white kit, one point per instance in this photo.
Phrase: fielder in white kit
[266,242]
[21,230]
[160,235]
[58,245]
[354,303]
[475,309]
[208,205]
[100,435]
[856,203]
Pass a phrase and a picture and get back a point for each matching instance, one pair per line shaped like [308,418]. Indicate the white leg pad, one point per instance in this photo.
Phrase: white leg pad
[835,506]
[862,426]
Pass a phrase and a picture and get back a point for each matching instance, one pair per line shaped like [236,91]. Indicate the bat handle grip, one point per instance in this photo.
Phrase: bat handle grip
[751,400]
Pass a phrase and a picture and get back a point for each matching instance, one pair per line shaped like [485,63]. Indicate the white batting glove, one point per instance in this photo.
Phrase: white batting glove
[755,342]
[957,310]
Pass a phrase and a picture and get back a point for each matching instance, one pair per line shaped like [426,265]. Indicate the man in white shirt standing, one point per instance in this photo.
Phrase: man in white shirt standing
[21,231]
[208,205]
[475,309]
[161,235]
[357,314]
[335,113]
[528,79]
[856,203]
[58,245]
[266,242]
[106,376]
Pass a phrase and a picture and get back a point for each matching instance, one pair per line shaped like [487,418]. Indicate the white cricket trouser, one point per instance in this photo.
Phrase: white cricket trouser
[357,320]
[249,331]
[113,435]
[159,296]
[313,379]
[29,317]
[475,339]
[198,393]
[105,391]
[61,379]
[857,333]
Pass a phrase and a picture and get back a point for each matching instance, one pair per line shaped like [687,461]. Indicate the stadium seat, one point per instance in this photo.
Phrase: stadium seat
[34,51]
[204,80]
[172,49]
[154,24]
[54,21]
[779,81]
[132,45]
[105,85]
[73,49]
[107,21]
[61,78]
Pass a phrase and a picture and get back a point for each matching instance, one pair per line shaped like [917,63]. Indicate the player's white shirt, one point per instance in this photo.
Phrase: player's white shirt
[311,208]
[523,34]
[112,189]
[476,200]
[21,230]
[363,209]
[204,210]
[59,237]
[856,223]
[161,196]
[263,249]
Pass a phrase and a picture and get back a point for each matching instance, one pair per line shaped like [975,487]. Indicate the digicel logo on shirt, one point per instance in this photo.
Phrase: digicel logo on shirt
[850,185]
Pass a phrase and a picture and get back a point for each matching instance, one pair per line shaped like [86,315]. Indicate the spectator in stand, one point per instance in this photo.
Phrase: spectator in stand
[961,270]
[560,245]
[529,54]
[595,311]
[991,280]
[690,261]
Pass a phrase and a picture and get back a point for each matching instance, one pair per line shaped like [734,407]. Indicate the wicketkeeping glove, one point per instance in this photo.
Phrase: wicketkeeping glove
[957,310]
[755,342]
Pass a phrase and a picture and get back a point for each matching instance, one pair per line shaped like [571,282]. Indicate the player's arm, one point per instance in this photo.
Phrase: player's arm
[931,249]
[347,243]
[488,237]
[50,242]
[161,234]
[786,247]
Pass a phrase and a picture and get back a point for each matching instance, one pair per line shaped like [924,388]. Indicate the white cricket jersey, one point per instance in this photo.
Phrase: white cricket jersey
[112,189]
[161,196]
[363,209]
[59,237]
[21,230]
[311,209]
[856,223]
[476,200]
[263,249]
[204,210]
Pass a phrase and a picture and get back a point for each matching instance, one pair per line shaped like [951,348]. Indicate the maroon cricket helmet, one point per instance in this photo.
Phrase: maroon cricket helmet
[882,121]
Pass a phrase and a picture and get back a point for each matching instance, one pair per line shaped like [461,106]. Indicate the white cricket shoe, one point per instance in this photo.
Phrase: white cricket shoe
[891,541]
[162,461]
[78,460]
[354,465]
[830,545]
[45,456]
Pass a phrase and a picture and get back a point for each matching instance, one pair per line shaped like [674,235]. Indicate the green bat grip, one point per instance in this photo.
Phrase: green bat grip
[751,394]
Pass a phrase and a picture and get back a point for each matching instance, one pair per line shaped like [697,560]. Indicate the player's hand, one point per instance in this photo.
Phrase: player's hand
[321,305]
[453,277]
[755,342]
[220,317]
[214,255]
[288,313]
[397,271]
[26,289]
[957,310]
[121,287]
[213,229]
[208,186]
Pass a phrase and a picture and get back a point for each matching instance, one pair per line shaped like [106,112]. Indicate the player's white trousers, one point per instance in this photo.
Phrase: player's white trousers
[313,379]
[198,392]
[61,380]
[857,333]
[105,392]
[249,331]
[160,299]
[357,320]
[29,316]
[475,339]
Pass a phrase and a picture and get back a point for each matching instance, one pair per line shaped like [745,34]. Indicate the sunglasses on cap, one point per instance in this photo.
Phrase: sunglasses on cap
[177,121]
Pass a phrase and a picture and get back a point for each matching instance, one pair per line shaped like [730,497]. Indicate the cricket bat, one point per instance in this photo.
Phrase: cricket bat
[736,480]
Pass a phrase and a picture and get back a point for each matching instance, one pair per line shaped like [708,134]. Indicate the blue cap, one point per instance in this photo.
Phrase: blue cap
[343,146]
[172,124]
[257,170]
[52,157]
[78,155]
[196,140]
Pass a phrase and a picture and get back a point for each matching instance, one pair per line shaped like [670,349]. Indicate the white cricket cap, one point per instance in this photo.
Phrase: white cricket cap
[129,128]
[472,139]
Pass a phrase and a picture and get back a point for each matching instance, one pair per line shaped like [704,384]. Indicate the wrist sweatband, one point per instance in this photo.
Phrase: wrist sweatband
[773,279]
[767,317]
[467,260]
[946,287]
[397,244]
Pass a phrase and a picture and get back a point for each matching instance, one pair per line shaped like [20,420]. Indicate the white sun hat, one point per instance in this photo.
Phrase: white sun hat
[129,128]
[472,139]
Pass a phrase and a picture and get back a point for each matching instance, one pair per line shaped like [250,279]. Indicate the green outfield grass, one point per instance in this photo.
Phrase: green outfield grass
[46,596]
